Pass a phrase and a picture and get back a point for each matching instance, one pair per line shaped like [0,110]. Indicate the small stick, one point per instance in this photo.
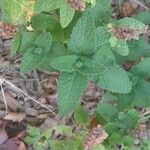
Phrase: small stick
[140,3]
[4,98]
[145,113]
[13,86]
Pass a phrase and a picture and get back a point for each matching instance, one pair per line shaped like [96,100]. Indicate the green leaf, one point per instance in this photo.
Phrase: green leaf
[101,37]
[128,140]
[81,115]
[114,139]
[121,47]
[131,23]
[57,50]
[44,41]
[66,145]
[107,111]
[34,59]
[97,64]
[63,129]
[99,147]
[27,40]
[65,63]
[115,79]
[43,21]
[82,37]
[66,14]
[30,60]
[125,101]
[109,97]
[14,11]
[128,120]
[138,48]
[15,44]
[113,127]
[102,11]
[141,101]
[70,90]
[142,88]
[48,23]
[143,17]
[47,5]
[142,69]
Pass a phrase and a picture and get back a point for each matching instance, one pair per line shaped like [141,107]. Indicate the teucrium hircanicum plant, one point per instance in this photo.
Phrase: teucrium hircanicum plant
[97,48]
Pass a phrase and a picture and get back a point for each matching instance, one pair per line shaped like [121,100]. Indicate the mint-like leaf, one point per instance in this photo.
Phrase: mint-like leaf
[14,11]
[66,14]
[65,63]
[82,37]
[142,68]
[115,79]
[70,90]
[121,47]
[107,111]
[44,41]
[47,5]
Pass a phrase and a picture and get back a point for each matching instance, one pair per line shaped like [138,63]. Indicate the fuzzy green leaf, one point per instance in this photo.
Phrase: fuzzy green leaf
[47,5]
[128,120]
[115,79]
[57,50]
[15,44]
[131,22]
[138,48]
[98,147]
[65,63]
[121,47]
[102,11]
[44,41]
[14,11]
[30,60]
[82,37]
[66,14]
[50,23]
[141,100]
[107,111]
[143,17]
[142,68]
[27,40]
[142,88]
[101,37]
[74,144]
[70,90]
[102,59]
[43,21]
[81,115]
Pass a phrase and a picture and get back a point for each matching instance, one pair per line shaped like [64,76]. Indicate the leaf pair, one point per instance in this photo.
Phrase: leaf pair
[66,12]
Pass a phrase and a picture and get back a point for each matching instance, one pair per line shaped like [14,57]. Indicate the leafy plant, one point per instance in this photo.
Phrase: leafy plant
[85,46]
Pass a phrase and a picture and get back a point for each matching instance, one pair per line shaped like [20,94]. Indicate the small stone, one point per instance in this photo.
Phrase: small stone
[31,112]
[48,123]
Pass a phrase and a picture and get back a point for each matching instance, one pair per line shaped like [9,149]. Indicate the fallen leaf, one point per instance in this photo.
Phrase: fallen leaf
[15,117]
[127,9]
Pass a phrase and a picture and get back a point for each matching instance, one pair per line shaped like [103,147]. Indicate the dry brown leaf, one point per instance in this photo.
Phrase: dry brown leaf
[7,31]
[13,144]
[96,136]
[127,9]
[15,117]
[77,4]
[3,134]
[12,103]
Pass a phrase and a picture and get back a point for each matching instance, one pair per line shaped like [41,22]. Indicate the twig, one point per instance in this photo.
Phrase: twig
[39,88]
[140,3]
[145,113]
[2,80]
[4,98]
